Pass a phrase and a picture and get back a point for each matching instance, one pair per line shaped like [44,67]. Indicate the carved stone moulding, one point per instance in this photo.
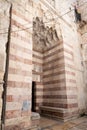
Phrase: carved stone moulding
[43,36]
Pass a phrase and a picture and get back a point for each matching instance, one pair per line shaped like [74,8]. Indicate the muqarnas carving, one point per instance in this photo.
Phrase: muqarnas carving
[43,37]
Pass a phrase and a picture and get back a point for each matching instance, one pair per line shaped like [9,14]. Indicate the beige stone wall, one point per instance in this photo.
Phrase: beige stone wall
[84,53]
[83,43]
[4,26]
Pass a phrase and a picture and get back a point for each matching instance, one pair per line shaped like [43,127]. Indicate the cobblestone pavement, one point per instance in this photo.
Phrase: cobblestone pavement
[49,124]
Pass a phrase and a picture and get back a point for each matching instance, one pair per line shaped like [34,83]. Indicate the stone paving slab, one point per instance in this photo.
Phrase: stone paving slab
[81,124]
[50,124]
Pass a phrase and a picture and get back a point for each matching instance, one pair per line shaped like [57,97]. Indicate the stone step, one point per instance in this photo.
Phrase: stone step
[57,113]
[35,116]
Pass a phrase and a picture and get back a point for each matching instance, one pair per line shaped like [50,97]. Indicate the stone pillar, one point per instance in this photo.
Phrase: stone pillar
[19,82]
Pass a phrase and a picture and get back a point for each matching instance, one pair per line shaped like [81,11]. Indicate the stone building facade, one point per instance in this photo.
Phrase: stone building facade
[42,49]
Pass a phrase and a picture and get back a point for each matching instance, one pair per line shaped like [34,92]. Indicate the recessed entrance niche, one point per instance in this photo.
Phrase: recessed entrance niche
[33,96]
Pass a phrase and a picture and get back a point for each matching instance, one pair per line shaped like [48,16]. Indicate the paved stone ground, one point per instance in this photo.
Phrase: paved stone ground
[49,124]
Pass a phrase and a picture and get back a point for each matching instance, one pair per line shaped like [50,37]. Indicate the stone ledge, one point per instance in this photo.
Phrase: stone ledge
[57,113]
[53,108]
[52,112]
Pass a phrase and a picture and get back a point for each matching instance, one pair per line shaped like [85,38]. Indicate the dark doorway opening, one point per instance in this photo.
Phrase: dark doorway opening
[33,96]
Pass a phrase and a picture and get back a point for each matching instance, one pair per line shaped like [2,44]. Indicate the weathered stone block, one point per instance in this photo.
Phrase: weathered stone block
[2,61]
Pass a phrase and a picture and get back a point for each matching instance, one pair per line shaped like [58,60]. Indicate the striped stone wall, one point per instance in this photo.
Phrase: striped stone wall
[59,92]
[71,36]
[38,78]
[54,92]
[18,98]
[71,84]
[54,75]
